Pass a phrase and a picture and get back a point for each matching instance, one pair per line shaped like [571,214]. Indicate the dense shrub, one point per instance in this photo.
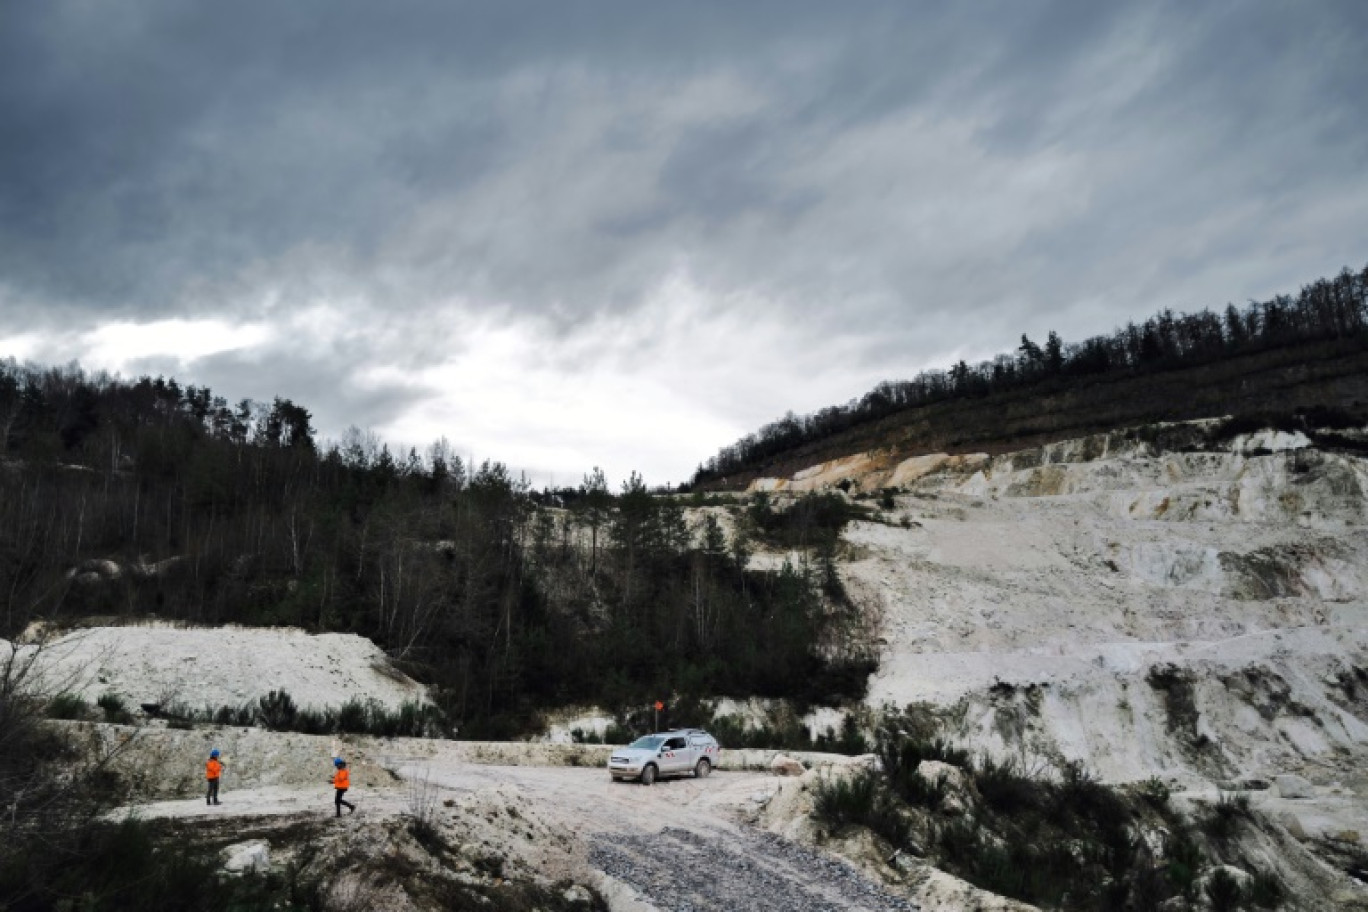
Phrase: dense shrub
[1266,891]
[861,799]
[277,711]
[1224,892]
[67,706]
[1221,820]
[114,710]
[810,521]
[1059,839]
[1007,790]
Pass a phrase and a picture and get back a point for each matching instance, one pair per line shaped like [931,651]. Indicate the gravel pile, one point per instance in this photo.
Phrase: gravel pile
[682,871]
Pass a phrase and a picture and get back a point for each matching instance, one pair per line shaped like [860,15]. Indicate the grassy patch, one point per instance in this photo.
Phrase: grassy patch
[67,706]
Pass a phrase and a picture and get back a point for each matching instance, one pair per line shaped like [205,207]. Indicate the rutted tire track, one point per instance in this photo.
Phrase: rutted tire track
[678,870]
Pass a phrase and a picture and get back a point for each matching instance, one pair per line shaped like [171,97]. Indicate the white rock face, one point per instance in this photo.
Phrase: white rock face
[1197,615]
[783,765]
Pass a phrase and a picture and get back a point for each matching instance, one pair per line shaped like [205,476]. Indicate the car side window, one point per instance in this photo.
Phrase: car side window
[674,744]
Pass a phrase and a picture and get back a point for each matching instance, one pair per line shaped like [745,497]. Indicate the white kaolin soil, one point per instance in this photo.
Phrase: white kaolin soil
[200,667]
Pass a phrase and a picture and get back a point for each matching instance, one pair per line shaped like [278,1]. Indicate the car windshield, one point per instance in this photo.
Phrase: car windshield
[650,742]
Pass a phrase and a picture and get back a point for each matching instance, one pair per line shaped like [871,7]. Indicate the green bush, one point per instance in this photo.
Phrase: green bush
[67,706]
[617,734]
[1155,791]
[1005,789]
[352,717]
[900,754]
[809,522]
[850,740]
[733,732]
[1184,859]
[1222,819]
[114,710]
[1081,798]
[918,791]
[1266,891]
[860,800]
[1224,892]
[277,711]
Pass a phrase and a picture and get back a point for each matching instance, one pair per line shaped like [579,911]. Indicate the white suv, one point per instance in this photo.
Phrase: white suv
[672,753]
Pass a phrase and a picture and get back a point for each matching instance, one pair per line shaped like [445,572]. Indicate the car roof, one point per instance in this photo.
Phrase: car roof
[684,731]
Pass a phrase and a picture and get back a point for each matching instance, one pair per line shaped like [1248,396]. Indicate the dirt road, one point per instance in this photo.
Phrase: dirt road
[677,845]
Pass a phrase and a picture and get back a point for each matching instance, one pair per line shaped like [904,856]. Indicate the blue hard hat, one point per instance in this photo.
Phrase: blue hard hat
[337,761]
[214,752]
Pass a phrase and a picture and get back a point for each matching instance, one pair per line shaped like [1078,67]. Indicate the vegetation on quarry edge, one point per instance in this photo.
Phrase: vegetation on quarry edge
[1327,312]
[1057,839]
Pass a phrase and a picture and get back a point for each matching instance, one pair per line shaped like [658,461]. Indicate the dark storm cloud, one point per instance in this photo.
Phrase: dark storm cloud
[923,181]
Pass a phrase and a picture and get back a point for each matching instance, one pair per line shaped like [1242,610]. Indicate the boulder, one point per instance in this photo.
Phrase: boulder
[1291,785]
[247,856]
[784,765]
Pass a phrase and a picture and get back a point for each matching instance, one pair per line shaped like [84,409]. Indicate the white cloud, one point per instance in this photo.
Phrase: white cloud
[117,347]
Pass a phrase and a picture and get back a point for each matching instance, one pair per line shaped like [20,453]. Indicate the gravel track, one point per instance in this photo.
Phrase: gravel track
[680,845]
[680,870]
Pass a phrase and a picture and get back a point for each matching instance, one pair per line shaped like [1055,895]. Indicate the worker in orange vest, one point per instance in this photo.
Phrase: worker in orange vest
[341,781]
[213,769]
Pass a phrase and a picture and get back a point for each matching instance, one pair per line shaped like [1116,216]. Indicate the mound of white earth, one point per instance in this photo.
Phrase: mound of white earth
[225,666]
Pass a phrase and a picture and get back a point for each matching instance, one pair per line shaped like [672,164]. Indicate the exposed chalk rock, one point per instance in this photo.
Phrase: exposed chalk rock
[1291,785]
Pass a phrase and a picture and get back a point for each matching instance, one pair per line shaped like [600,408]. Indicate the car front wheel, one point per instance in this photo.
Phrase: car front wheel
[703,768]
[648,775]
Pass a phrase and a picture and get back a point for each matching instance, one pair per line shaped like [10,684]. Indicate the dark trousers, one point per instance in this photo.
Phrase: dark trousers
[340,801]
[211,797]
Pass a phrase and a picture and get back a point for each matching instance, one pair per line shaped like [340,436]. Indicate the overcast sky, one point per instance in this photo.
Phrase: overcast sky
[624,234]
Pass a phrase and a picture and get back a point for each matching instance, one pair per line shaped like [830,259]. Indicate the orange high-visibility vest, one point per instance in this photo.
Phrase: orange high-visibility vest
[212,769]
[342,779]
